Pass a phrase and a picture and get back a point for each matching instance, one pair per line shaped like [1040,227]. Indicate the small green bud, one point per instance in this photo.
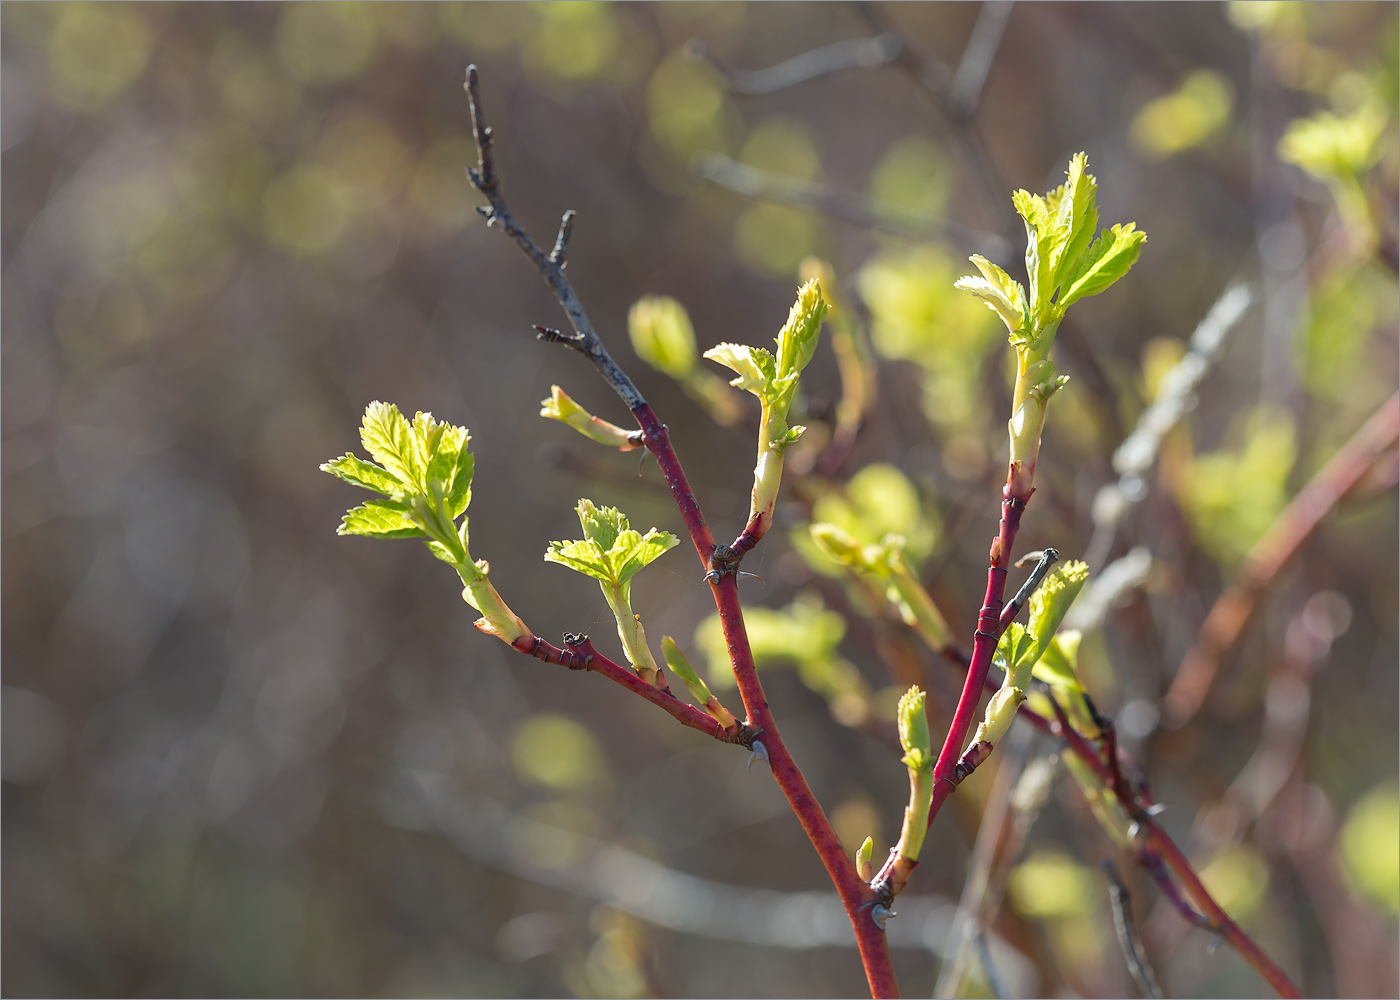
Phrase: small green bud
[913,730]
[797,340]
[865,863]
[838,544]
[1001,710]
[561,406]
[681,667]
[662,335]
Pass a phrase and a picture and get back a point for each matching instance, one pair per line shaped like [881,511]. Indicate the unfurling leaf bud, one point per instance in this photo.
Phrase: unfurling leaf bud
[865,864]
[561,406]
[913,730]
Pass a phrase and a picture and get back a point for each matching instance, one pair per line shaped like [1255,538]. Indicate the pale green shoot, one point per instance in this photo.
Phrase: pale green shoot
[680,666]
[884,564]
[424,475]
[919,759]
[561,406]
[1065,263]
[612,553]
[774,381]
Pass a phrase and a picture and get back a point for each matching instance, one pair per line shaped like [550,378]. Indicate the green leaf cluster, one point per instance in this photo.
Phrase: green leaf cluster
[1036,649]
[423,474]
[883,565]
[1065,262]
[773,379]
[612,553]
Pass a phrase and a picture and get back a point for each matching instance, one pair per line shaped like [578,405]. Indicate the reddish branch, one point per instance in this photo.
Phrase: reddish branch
[721,566]
[1158,854]
[953,765]
[578,654]
[1289,532]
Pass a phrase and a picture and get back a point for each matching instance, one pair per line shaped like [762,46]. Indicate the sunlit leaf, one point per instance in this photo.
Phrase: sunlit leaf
[380,519]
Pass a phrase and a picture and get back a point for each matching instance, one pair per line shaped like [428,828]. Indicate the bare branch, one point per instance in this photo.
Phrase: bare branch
[857,53]
[847,206]
[1128,940]
[551,265]
[977,58]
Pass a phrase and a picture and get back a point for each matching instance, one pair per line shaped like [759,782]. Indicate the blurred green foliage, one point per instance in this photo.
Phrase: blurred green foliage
[1370,847]
[243,757]
[1234,494]
[1187,117]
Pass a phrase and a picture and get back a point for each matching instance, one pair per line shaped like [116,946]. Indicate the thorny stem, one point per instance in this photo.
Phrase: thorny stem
[721,568]
[1290,530]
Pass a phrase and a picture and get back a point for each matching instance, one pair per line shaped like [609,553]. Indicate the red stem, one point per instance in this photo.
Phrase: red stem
[857,897]
[582,656]
[989,629]
[1165,850]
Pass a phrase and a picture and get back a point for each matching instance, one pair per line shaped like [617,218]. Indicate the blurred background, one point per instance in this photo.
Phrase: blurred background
[243,756]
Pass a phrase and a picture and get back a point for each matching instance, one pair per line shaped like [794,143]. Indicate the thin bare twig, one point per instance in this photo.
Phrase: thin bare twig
[856,53]
[550,265]
[976,62]
[847,206]
[1136,455]
[1128,940]
[1290,530]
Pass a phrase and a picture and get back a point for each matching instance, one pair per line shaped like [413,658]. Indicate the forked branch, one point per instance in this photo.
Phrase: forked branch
[857,897]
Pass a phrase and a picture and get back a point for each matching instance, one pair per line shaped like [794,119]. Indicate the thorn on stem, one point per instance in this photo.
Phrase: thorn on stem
[757,749]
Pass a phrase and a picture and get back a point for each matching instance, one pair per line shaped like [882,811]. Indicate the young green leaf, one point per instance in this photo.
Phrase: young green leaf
[1058,666]
[1107,260]
[561,406]
[380,519]
[1050,602]
[388,438]
[755,366]
[361,473]
[611,552]
[1002,293]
